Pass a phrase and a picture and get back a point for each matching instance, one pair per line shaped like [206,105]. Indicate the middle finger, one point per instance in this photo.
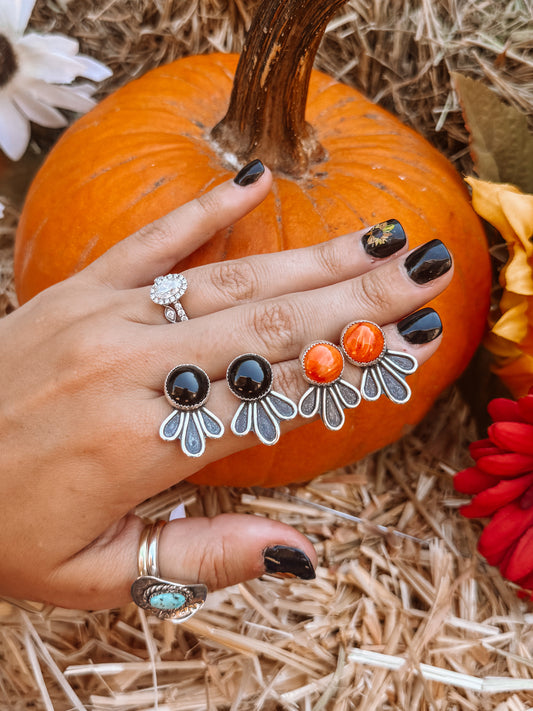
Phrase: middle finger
[279,328]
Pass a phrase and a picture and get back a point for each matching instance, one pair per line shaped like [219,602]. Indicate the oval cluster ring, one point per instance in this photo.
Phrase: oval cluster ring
[167,291]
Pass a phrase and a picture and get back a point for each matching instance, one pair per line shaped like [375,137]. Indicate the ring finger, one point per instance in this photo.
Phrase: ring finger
[214,287]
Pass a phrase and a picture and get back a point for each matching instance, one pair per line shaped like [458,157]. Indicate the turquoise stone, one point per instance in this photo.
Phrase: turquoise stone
[167,601]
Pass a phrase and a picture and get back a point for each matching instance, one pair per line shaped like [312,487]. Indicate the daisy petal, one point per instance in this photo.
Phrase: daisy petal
[504,529]
[490,500]
[14,129]
[520,563]
[50,44]
[15,15]
[507,464]
[63,97]
[472,481]
[92,69]
[513,436]
[38,112]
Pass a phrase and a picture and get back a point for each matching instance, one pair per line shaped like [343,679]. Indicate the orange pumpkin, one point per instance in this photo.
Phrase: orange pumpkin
[151,146]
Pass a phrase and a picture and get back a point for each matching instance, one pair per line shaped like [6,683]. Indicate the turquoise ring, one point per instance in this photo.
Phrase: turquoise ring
[165,599]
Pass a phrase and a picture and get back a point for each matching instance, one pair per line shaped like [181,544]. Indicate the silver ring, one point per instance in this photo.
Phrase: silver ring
[165,599]
[167,291]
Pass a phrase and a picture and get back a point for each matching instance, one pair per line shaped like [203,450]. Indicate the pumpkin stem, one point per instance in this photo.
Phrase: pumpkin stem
[266,114]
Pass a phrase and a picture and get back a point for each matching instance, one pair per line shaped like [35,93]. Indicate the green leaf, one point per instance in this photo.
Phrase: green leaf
[500,143]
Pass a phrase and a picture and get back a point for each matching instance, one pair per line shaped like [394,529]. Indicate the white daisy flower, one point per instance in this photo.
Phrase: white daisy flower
[33,71]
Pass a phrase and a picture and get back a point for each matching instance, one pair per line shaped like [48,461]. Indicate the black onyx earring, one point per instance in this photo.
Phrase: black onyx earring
[187,388]
[249,377]
[363,343]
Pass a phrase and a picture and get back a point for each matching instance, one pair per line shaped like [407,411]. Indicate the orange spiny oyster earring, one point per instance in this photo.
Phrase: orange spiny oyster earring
[323,365]
[363,343]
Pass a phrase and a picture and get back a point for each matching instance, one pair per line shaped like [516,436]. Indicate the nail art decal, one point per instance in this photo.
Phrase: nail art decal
[249,377]
[384,239]
[363,343]
[323,364]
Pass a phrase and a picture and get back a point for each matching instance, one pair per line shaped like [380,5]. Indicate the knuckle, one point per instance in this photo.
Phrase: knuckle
[236,280]
[288,380]
[372,293]
[274,325]
[330,258]
[208,204]
[157,233]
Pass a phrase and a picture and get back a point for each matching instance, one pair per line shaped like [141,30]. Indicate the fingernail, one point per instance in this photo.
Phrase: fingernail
[429,261]
[384,239]
[250,173]
[288,562]
[421,326]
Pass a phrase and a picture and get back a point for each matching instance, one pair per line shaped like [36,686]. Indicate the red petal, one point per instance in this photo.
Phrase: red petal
[482,448]
[513,436]
[503,410]
[490,500]
[525,408]
[472,481]
[507,464]
[521,562]
[505,527]
[527,581]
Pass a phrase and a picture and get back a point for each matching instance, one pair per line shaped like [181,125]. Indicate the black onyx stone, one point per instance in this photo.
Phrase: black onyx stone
[187,386]
[250,376]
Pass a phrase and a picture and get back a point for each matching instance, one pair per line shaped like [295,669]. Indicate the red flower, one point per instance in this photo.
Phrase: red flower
[502,484]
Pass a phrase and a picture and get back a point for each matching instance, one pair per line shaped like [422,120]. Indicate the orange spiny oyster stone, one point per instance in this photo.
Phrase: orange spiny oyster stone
[323,363]
[363,341]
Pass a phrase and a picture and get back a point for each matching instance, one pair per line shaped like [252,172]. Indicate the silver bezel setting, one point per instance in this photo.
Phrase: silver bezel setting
[358,363]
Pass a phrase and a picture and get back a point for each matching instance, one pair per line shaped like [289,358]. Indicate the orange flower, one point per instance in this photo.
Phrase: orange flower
[511,338]
[502,484]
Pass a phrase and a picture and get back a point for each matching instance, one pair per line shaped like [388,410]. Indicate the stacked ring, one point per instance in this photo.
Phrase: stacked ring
[167,291]
[166,599]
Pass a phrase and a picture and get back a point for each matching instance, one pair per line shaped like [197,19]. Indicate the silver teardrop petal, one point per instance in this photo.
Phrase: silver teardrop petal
[370,385]
[309,403]
[404,362]
[394,385]
[332,412]
[171,426]
[348,394]
[281,406]
[210,423]
[265,424]
[241,423]
[192,436]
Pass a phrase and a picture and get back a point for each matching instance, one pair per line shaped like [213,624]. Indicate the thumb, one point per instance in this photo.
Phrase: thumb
[219,551]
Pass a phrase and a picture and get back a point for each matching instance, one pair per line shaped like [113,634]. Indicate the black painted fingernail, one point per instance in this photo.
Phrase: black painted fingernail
[250,173]
[421,326]
[288,562]
[384,239]
[429,261]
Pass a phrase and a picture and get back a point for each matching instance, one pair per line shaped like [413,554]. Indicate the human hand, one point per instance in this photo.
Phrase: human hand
[84,364]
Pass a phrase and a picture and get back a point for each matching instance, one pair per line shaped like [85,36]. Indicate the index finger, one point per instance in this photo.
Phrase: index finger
[154,249]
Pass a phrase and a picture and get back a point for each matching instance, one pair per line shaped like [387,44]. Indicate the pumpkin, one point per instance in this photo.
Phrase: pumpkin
[340,162]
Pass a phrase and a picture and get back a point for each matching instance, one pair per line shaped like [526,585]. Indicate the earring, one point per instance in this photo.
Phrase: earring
[363,343]
[323,364]
[187,388]
[249,377]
